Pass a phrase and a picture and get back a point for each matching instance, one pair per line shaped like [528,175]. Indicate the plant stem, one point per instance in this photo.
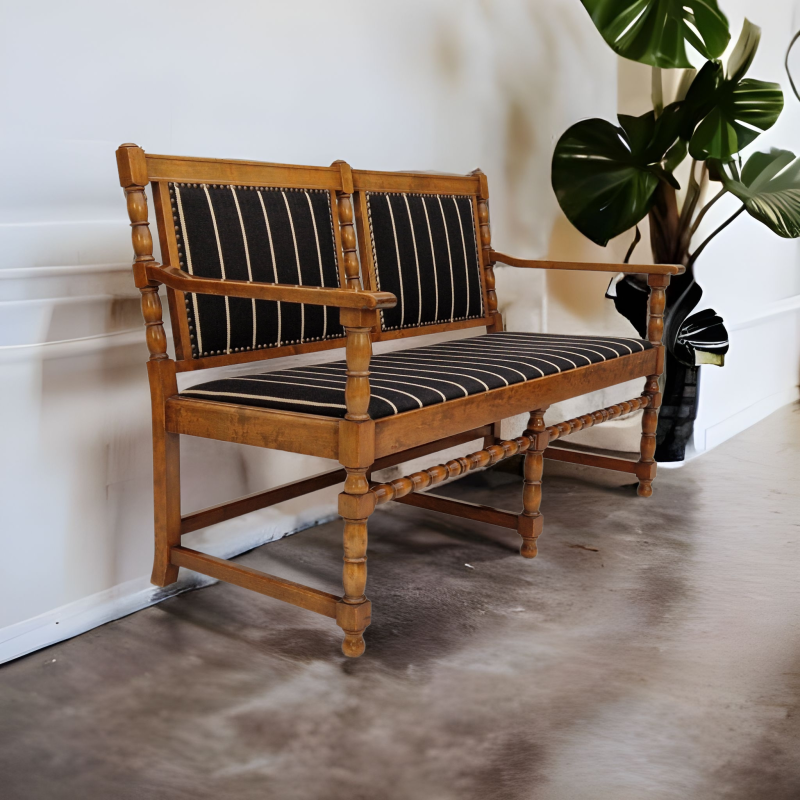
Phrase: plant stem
[722,227]
[786,64]
[692,196]
[704,210]
[657,91]
[693,192]
[636,239]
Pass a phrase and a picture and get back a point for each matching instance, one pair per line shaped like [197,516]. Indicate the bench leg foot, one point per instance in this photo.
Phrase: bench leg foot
[353,612]
[353,620]
[167,505]
[531,521]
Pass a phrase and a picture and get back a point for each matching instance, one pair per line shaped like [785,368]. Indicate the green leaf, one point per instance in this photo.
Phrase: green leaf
[656,32]
[745,50]
[675,155]
[723,114]
[667,130]
[769,187]
[604,176]
[742,112]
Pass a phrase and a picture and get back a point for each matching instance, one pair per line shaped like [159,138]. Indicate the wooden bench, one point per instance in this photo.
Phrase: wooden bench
[267,260]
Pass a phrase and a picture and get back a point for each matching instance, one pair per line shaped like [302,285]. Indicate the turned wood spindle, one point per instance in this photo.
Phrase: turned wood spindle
[419,481]
[530,522]
[646,467]
[485,234]
[133,178]
[536,437]
[154,323]
[358,352]
[344,207]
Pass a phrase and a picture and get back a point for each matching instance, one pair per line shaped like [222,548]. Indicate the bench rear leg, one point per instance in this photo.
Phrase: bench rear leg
[530,521]
[167,504]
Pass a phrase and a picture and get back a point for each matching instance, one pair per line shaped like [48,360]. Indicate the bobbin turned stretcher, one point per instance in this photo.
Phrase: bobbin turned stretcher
[262,261]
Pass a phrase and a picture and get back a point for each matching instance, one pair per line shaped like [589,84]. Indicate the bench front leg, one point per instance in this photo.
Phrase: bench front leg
[356,502]
[530,521]
[354,610]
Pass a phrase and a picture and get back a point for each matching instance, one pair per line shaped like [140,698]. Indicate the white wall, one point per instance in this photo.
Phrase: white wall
[432,84]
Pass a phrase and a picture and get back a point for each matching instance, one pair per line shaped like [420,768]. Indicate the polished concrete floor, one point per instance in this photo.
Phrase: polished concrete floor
[651,651]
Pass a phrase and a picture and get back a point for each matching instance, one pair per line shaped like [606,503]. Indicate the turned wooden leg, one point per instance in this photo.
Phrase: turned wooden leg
[646,466]
[353,611]
[167,505]
[530,521]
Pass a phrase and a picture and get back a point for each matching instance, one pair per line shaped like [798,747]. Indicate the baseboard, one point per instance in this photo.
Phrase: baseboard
[741,420]
[87,613]
[76,618]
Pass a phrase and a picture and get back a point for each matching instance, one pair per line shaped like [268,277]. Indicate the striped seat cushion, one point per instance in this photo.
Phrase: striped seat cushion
[259,234]
[405,380]
[425,252]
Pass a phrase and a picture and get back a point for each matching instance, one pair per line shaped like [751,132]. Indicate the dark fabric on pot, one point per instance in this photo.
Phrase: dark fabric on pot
[426,253]
[404,380]
[678,410]
[257,234]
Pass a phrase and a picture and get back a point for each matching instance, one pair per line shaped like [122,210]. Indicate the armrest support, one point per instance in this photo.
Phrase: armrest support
[341,298]
[638,269]
[359,326]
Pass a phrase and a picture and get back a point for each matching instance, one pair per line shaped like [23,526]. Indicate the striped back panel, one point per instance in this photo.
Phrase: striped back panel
[425,251]
[258,234]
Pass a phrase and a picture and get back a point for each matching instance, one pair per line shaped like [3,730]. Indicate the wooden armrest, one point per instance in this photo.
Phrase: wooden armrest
[313,295]
[588,266]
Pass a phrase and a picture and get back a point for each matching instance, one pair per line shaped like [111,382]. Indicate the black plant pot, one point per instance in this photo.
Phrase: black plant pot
[683,336]
[678,410]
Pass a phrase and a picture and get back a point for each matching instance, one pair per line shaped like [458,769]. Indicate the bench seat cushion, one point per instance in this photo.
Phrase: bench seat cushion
[404,380]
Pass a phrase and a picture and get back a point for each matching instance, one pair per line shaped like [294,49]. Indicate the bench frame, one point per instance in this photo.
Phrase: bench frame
[360,444]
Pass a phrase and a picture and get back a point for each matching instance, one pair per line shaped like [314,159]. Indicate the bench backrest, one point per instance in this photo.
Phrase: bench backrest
[248,221]
[419,239]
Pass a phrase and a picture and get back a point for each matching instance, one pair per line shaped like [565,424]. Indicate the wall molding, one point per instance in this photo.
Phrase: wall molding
[69,348]
[32,273]
[785,306]
[70,280]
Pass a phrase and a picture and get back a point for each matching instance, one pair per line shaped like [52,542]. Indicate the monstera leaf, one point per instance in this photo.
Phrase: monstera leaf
[769,187]
[655,32]
[723,114]
[604,176]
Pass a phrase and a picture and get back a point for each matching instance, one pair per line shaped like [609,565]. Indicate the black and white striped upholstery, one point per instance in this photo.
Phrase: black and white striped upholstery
[259,234]
[426,253]
[408,379]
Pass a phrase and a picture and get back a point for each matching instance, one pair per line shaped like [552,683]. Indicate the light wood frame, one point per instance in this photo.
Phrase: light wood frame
[360,444]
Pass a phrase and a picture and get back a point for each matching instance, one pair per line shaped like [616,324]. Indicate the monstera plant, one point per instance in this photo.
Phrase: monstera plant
[608,177]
